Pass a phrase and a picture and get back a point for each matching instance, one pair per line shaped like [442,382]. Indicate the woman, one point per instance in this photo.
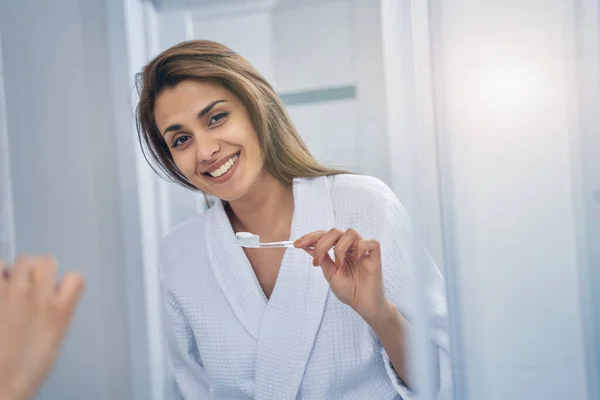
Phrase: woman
[262,323]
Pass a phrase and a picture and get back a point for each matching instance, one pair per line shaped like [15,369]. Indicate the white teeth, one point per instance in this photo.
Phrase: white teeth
[224,168]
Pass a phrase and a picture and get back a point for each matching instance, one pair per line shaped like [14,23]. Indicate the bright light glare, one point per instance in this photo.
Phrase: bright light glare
[507,86]
[512,87]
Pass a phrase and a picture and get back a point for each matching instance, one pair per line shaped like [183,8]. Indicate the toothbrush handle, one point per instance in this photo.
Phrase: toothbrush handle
[287,243]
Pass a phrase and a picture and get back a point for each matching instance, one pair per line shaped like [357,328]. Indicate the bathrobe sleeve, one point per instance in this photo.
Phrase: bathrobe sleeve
[399,281]
[189,372]
[369,206]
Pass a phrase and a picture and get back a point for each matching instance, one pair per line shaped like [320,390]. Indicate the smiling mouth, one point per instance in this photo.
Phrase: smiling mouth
[223,169]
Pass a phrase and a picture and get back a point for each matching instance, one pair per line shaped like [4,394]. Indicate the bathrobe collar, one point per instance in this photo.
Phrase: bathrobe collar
[286,325]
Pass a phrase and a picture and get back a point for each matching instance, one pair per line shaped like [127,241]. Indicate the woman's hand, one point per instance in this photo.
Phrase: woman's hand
[35,313]
[355,275]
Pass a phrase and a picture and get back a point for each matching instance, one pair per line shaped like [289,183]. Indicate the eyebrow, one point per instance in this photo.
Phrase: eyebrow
[201,114]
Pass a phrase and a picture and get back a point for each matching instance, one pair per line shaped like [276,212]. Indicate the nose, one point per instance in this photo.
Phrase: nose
[206,148]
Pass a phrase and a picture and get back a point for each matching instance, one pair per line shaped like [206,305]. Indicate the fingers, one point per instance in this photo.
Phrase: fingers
[5,276]
[69,292]
[345,243]
[369,248]
[309,240]
[34,321]
[43,276]
[318,243]
[325,243]
[20,274]
[38,275]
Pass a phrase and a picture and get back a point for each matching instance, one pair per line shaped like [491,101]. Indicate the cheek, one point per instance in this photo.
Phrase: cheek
[185,161]
[251,142]
[254,154]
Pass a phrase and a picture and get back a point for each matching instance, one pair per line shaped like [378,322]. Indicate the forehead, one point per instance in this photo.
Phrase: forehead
[186,99]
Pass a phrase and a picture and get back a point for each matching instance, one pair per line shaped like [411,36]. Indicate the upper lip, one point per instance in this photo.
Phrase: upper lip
[218,164]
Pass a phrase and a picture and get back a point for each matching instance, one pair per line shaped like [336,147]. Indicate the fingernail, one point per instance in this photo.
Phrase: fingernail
[315,261]
[297,242]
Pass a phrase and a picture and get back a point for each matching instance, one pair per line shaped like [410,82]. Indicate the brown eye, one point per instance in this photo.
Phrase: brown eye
[216,118]
[180,141]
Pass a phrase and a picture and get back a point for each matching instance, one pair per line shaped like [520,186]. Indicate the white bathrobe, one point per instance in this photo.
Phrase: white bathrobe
[228,341]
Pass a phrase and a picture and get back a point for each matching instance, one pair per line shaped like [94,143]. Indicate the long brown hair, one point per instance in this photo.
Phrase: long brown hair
[286,156]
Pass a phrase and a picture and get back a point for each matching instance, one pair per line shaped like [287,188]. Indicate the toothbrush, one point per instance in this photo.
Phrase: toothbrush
[250,240]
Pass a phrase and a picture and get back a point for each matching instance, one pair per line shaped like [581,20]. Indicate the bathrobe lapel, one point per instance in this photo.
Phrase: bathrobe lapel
[293,315]
[233,271]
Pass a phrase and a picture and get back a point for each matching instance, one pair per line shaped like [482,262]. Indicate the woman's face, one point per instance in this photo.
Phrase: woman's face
[211,137]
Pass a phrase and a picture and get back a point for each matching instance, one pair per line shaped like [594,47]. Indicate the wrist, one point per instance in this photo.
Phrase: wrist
[386,314]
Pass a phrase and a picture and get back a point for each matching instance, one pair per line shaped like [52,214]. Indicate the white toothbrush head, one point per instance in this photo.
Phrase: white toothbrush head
[247,239]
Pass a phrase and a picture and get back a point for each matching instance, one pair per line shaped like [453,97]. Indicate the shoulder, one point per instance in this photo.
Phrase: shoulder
[183,238]
[362,189]
[366,198]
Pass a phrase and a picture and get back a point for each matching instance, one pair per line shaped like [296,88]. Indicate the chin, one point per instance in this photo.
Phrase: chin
[230,195]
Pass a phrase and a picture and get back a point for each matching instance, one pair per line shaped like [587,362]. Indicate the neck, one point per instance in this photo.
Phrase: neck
[266,210]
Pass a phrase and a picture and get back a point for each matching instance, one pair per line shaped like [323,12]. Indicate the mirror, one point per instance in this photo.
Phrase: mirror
[480,117]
